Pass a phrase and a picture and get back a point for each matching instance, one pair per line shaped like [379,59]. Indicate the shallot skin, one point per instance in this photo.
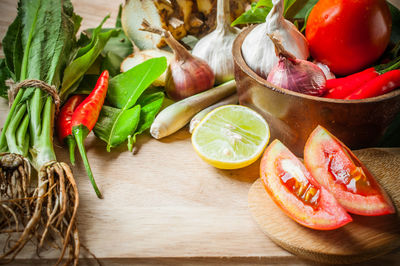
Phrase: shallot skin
[298,75]
[189,77]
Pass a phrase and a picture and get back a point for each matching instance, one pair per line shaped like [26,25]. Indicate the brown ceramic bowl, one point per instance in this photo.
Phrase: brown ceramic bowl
[293,116]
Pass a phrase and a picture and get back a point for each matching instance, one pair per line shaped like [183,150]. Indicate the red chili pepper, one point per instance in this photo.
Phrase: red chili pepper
[341,87]
[378,86]
[64,126]
[85,118]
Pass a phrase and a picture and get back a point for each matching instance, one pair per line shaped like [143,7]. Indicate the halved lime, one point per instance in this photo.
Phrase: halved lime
[231,137]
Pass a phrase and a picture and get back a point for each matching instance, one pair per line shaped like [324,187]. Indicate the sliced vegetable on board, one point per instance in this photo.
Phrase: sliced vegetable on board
[294,189]
[336,168]
[64,124]
[178,114]
[231,137]
[187,74]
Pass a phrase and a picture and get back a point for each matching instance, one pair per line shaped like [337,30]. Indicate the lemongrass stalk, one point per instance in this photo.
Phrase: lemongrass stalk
[177,115]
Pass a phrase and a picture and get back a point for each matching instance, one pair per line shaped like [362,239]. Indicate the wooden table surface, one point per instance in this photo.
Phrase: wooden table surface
[163,205]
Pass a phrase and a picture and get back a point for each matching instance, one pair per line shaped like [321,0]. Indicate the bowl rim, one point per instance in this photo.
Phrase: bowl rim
[240,62]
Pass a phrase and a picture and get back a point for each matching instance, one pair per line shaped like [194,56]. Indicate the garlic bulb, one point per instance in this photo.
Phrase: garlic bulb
[296,74]
[216,47]
[186,74]
[257,48]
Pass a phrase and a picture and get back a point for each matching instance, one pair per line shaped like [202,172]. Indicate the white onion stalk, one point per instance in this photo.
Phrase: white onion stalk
[216,47]
[177,115]
[257,48]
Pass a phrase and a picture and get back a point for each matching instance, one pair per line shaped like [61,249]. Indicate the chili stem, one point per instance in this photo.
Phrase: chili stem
[80,132]
[71,143]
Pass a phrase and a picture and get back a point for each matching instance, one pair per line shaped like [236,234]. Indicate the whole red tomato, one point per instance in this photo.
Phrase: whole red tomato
[348,35]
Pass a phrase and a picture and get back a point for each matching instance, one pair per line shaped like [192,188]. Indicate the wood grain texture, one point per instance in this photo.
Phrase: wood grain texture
[360,240]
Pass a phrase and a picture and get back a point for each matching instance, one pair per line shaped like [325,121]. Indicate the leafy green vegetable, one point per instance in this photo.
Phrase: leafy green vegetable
[294,9]
[115,125]
[151,104]
[118,122]
[37,45]
[84,59]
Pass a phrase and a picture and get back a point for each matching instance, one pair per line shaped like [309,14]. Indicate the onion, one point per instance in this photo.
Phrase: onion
[186,74]
[296,74]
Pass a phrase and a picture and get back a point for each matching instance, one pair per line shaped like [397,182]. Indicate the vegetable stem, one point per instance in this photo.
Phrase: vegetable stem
[80,132]
[71,143]
[223,15]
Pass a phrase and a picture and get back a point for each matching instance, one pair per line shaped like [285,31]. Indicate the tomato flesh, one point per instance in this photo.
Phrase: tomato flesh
[347,172]
[294,179]
[297,193]
[337,169]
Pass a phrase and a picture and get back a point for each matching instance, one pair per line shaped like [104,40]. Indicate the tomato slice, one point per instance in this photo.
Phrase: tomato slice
[337,169]
[296,192]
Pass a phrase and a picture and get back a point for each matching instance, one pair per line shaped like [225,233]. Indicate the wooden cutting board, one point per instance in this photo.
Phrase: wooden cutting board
[362,239]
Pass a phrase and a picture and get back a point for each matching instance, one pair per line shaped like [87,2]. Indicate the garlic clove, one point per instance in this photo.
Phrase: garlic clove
[216,47]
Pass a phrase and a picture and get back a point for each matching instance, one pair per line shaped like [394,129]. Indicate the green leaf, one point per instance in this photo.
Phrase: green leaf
[115,125]
[253,15]
[86,56]
[118,23]
[115,51]
[294,9]
[299,9]
[12,47]
[126,88]
[47,37]
[151,105]
[4,75]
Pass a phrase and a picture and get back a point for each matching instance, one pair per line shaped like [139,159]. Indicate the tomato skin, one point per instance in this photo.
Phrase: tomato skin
[328,215]
[348,35]
[375,203]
